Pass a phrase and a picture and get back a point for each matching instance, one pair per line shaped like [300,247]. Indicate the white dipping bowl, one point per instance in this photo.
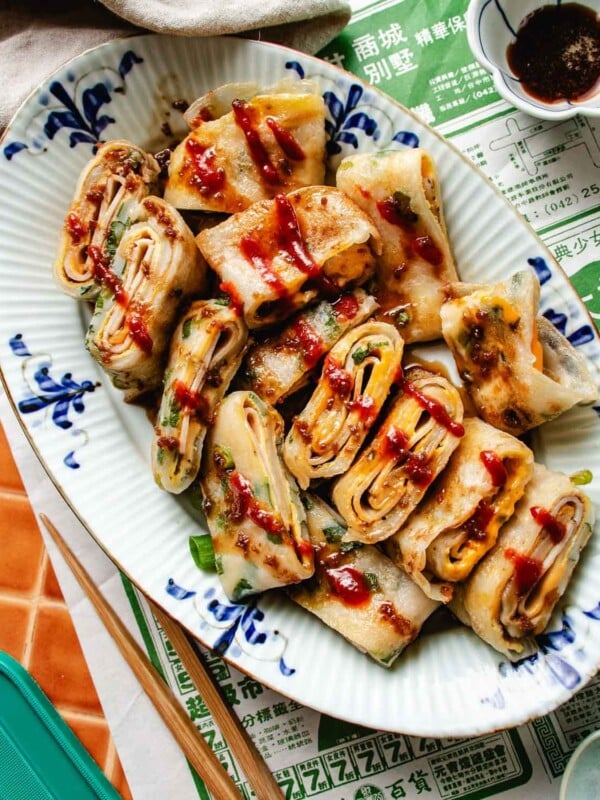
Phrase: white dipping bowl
[491,27]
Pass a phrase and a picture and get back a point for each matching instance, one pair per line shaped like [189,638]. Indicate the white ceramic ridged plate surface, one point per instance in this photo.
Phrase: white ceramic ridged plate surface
[96,448]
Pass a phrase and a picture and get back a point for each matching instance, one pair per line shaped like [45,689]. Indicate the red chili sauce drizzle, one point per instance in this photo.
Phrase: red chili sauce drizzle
[169,442]
[244,118]
[254,251]
[235,300]
[557,530]
[476,525]
[285,140]
[528,571]
[244,504]
[305,337]
[365,408]
[106,276]
[186,398]
[207,178]
[139,332]
[349,585]
[304,550]
[390,211]
[427,249]
[495,466]
[340,381]
[395,445]
[422,246]
[289,239]
[437,410]
[76,228]
[346,306]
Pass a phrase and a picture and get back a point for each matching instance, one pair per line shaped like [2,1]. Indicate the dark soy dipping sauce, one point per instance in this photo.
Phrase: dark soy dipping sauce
[556,54]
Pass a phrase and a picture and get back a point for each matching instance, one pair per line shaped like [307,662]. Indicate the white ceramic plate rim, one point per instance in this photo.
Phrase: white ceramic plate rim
[447,684]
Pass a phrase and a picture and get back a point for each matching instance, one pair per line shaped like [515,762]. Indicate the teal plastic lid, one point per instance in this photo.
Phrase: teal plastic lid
[40,757]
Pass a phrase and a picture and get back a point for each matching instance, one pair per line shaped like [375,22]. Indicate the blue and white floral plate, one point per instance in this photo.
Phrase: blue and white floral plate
[96,449]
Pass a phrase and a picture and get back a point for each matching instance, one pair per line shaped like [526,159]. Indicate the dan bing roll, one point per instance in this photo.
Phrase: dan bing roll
[411,447]
[205,352]
[458,521]
[355,380]
[156,266]
[511,595]
[357,591]
[518,369]
[247,147]
[252,504]
[282,364]
[277,256]
[109,188]
[400,192]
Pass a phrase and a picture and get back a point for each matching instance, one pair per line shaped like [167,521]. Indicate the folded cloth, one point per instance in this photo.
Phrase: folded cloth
[36,39]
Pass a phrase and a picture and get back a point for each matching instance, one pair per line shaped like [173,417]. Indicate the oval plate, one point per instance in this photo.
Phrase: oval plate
[95,448]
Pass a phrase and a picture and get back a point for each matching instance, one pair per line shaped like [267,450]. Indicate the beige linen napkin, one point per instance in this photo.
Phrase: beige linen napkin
[38,37]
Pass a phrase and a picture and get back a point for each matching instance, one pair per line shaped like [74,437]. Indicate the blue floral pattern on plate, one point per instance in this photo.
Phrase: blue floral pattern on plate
[237,626]
[44,392]
[79,108]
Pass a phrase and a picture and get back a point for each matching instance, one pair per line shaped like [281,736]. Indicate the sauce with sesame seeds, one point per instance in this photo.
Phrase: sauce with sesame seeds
[556,53]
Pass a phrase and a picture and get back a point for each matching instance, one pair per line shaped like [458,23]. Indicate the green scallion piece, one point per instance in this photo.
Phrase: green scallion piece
[202,551]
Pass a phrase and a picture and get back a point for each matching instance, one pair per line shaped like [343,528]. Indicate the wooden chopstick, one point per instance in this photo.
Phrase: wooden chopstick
[193,744]
[241,745]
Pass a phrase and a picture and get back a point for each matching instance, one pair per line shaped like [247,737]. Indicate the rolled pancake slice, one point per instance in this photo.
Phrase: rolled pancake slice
[111,184]
[156,268]
[277,256]
[400,192]
[282,364]
[412,445]
[205,352]
[252,504]
[517,368]
[458,520]
[356,378]
[266,143]
[510,596]
[357,591]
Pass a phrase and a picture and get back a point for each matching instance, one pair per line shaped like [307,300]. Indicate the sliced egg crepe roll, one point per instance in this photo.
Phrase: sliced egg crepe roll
[411,447]
[511,594]
[517,368]
[400,192]
[278,255]
[205,352]
[355,380]
[458,520]
[247,147]
[110,186]
[155,267]
[252,504]
[282,364]
[358,591]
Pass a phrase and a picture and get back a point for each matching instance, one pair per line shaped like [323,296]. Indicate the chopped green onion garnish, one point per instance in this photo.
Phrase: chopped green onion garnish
[202,551]
[582,477]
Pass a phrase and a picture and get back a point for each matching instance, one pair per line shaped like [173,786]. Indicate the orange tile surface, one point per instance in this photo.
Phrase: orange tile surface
[36,626]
